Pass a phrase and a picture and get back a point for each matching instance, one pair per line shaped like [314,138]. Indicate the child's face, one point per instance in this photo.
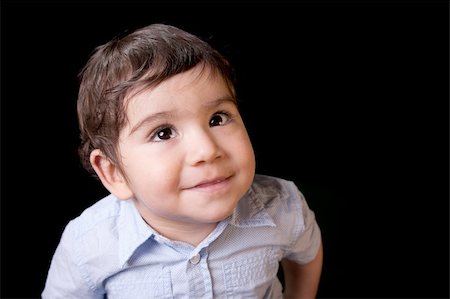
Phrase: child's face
[185,150]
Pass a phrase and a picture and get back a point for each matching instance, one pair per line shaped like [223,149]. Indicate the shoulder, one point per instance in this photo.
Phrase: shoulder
[287,206]
[90,242]
[282,200]
[99,228]
[101,215]
[270,190]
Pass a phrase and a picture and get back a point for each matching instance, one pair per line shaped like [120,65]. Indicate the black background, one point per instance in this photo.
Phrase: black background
[347,98]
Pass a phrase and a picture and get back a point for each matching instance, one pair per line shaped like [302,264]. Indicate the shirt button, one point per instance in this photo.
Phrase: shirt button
[195,259]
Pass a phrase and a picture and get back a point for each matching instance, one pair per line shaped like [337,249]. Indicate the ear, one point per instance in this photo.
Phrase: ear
[110,175]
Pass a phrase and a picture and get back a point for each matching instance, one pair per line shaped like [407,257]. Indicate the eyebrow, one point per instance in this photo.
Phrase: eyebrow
[171,114]
[152,118]
[218,102]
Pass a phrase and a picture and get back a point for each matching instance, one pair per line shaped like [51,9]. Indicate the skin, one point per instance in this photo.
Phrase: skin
[186,156]
[302,281]
[186,161]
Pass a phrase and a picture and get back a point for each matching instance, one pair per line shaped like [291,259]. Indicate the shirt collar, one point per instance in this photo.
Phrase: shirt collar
[133,230]
[250,212]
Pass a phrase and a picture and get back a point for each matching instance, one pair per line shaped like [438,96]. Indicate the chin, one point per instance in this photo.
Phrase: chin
[217,217]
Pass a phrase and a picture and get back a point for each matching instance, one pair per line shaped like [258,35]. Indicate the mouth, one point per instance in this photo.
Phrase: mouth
[211,184]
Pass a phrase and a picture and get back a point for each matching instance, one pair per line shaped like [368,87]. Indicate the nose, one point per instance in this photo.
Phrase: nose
[202,147]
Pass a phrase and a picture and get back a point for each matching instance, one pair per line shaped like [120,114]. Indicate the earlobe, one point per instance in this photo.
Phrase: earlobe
[110,175]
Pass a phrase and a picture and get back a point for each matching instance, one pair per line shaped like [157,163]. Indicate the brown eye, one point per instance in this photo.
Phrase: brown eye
[163,134]
[219,119]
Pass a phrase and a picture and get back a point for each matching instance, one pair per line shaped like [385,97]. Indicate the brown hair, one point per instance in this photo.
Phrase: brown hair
[142,59]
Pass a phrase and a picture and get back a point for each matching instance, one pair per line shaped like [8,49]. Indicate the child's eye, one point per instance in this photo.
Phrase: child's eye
[162,134]
[219,119]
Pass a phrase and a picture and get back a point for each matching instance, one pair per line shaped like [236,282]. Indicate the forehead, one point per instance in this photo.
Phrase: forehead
[195,86]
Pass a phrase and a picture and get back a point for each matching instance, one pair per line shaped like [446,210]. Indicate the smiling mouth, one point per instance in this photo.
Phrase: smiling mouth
[211,185]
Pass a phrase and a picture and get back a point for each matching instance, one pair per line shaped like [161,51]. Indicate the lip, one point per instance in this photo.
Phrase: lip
[211,184]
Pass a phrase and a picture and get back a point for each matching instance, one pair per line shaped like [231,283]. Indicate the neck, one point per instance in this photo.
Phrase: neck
[189,233]
[186,231]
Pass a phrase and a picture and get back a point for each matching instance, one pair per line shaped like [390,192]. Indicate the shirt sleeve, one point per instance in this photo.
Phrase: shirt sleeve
[66,278]
[307,234]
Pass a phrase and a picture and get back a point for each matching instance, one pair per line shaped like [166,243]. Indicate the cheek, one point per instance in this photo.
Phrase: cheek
[250,159]
[153,176]
[244,153]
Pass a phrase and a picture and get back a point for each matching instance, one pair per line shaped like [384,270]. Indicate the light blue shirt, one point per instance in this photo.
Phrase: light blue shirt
[110,252]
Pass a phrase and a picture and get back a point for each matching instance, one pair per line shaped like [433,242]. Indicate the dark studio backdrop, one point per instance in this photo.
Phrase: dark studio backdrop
[347,99]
